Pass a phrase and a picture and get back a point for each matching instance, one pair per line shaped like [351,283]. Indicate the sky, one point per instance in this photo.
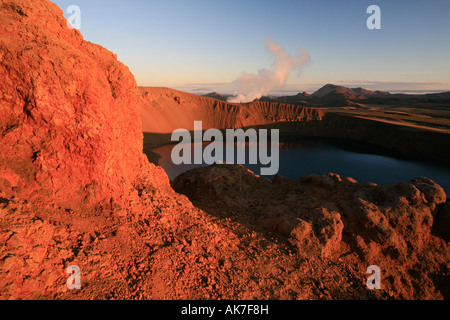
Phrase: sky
[197,46]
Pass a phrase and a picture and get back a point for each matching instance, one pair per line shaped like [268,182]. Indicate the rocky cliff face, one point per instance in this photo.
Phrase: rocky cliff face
[71,162]
[70,125]
[166,110]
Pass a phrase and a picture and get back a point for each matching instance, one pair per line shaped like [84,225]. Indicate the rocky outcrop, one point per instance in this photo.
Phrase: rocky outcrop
[332,217]
[70,125]
[166,110]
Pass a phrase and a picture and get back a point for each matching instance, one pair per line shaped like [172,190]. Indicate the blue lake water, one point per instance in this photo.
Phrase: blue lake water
[348,159]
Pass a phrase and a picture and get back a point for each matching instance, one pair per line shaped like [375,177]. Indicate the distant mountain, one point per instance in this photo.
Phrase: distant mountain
[331,96]
[438,96]
[303,95]
[299,99]
[349,93]
[218,96]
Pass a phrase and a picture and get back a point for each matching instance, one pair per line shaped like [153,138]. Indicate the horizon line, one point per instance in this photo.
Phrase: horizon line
[217,87]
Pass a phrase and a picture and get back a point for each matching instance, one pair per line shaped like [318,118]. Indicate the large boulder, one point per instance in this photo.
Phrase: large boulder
[327,217]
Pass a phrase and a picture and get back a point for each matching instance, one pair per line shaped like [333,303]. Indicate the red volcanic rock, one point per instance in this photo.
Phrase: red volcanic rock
[165,110]
[70,126]
[329,217]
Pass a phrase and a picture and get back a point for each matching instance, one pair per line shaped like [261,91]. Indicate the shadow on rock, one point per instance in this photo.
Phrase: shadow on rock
[328,217]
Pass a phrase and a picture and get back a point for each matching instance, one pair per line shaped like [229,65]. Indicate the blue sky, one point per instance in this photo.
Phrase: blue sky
[190,44]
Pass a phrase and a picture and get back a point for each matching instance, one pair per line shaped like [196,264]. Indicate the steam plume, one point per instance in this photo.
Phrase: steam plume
[254,86]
